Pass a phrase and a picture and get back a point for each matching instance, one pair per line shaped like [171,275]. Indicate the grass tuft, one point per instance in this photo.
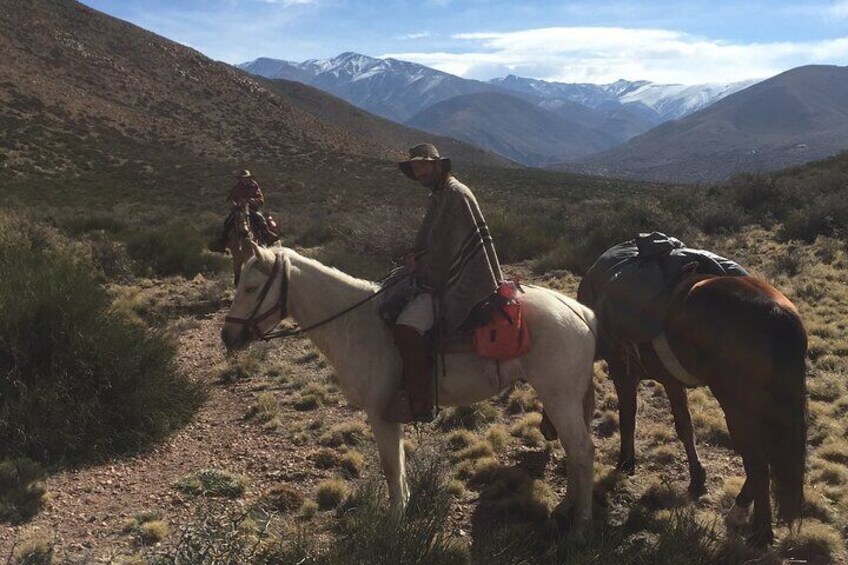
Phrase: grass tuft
[331,493]
[213,483]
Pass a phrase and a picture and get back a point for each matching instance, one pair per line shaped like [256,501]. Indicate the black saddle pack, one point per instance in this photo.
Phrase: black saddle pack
[629,287]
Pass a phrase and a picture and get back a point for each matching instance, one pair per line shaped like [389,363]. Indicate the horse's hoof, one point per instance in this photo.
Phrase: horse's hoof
[697,490]
[737,517]
[761,538]
[628,467]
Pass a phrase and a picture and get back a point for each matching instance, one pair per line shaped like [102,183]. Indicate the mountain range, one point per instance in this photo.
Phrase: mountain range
[797,116]
[603,115]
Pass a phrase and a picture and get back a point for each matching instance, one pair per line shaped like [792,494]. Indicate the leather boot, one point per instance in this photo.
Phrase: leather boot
[417,385]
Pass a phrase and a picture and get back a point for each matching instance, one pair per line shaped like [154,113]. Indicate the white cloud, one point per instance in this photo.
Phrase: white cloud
[605,54]
[839,9]
[417,35]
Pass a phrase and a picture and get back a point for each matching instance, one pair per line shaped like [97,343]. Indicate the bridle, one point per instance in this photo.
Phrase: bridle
[252,322]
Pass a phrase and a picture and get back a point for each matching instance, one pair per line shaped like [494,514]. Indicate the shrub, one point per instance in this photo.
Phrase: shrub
[174,250]
[80,380]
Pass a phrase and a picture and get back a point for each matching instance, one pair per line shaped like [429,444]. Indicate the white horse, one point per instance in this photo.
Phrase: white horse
[279,282]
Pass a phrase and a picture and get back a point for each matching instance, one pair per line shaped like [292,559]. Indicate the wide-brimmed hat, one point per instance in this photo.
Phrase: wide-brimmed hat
[424,152]
[243,174]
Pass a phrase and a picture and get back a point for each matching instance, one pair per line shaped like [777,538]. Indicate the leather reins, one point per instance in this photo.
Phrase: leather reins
[252,322]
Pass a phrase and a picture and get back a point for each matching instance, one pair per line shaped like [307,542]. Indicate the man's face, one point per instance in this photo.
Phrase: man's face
[427,172]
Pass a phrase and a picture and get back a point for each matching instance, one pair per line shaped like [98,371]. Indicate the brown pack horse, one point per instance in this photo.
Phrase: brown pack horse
[743,339]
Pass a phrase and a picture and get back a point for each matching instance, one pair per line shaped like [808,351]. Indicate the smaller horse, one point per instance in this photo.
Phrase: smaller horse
[743,339]
[279,282]
[240,236]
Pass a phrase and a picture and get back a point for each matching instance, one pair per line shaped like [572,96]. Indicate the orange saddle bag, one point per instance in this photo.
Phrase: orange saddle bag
[506,335]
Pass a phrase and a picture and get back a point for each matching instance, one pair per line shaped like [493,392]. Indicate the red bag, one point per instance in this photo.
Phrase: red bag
[505,336]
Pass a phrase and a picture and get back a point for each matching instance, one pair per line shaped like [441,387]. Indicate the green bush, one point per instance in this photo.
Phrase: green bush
[174,250]
[827,216]
[77,380]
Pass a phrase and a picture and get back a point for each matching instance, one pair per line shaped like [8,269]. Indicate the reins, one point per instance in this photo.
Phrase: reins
[253,323]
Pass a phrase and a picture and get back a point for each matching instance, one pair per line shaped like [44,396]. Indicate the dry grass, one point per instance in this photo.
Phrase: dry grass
[152,532]
[283,498]
[331,493]
[214,483]
[527,431]
[34,547]
[351,434]
[815,543]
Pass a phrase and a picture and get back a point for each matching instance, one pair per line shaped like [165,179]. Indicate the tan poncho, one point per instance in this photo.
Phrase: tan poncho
[456,256]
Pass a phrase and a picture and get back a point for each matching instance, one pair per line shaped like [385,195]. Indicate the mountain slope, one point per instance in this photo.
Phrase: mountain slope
[380,130]
[798,116]
[511,127]
[110,110]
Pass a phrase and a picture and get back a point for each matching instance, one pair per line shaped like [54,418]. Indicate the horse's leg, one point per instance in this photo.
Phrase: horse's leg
[683,426]
[756,468]
[744,430]
[568,419]
[625,388]
[737,516]
[389,438]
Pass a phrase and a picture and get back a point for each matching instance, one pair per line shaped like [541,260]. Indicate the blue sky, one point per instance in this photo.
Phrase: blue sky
[684,41]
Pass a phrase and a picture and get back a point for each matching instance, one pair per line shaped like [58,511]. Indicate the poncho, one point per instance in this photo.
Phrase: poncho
[455,254]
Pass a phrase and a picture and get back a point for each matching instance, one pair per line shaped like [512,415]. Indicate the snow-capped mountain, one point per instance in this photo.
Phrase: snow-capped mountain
[387,87]
[669,101]
[404,91]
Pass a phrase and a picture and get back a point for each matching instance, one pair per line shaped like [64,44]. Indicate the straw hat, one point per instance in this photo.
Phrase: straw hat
[243,174]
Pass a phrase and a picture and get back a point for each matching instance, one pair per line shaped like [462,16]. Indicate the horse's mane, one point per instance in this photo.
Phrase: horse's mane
[301,261]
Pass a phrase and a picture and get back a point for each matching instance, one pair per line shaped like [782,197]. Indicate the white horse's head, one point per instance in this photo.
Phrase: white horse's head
[260,302]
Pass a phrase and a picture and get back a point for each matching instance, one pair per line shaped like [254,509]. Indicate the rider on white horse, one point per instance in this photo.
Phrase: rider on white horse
[453,261]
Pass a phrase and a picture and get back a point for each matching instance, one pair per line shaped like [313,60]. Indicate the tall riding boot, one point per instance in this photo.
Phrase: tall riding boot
[417,378]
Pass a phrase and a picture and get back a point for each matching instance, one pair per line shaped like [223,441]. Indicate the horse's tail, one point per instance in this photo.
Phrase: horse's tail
[787,412]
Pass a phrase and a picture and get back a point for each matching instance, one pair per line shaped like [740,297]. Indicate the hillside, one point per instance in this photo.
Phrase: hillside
[798,116]
[511,127]
[96,110]
[379,130]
